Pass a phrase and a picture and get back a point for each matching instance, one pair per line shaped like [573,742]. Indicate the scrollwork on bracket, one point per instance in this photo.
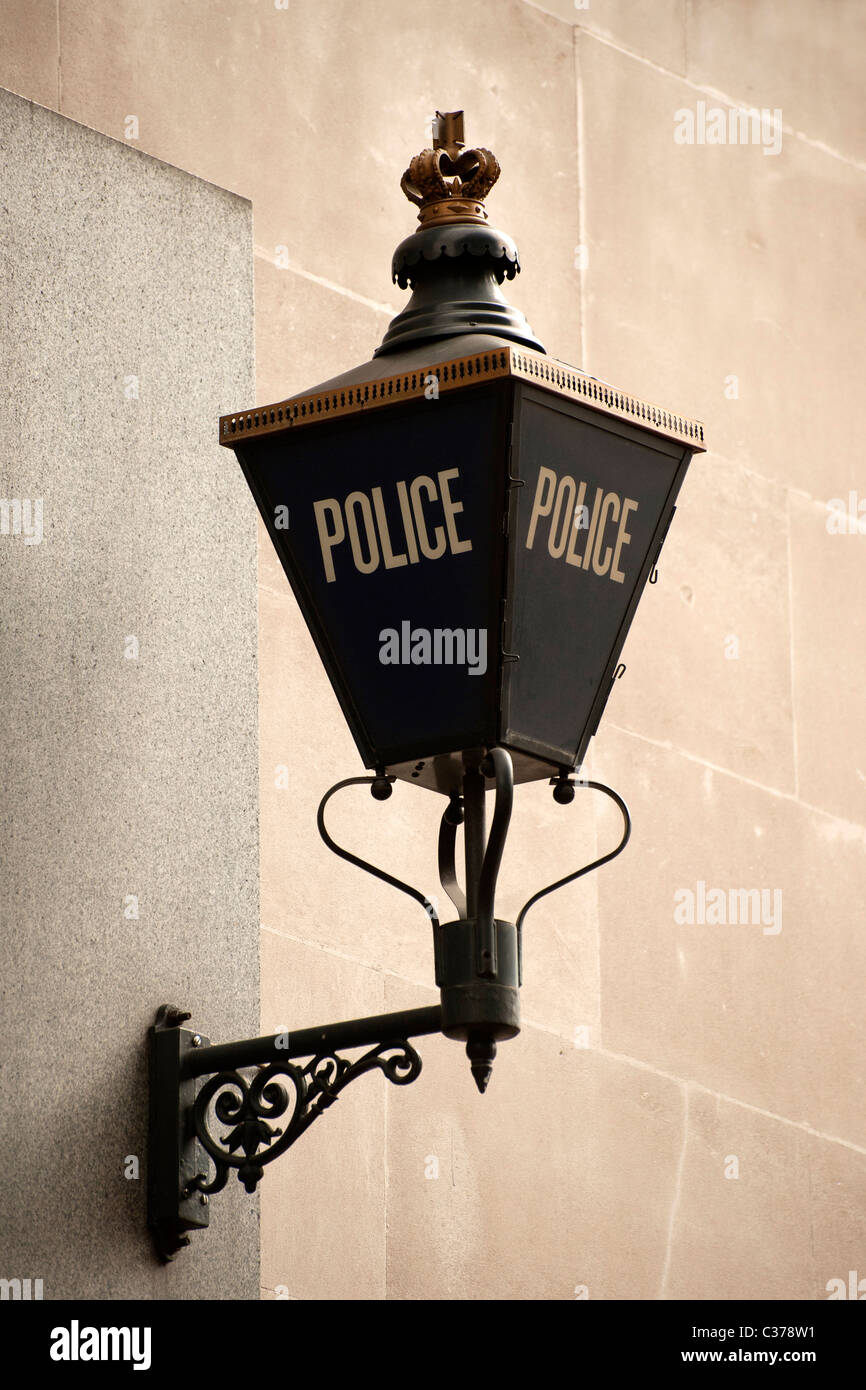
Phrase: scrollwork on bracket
[248,1106]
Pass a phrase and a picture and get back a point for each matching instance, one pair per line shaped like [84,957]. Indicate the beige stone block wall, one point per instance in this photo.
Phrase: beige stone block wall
[721,281]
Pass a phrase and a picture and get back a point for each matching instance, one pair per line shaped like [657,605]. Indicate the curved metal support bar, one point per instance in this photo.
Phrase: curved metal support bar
[504,774]
[447,863]
[363,863]
[596,863]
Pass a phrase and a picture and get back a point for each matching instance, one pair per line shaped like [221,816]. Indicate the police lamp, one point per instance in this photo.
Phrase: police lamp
[467,525]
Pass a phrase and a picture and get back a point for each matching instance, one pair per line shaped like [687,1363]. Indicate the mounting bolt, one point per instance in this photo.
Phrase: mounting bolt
[203,1199]
[563,789]
[381,788]
[195,1040]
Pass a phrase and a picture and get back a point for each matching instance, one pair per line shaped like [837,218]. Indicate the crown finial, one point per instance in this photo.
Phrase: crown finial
[449,183]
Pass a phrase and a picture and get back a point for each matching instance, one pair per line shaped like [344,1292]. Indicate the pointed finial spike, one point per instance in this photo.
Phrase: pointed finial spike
[482,1076]
[481,1052]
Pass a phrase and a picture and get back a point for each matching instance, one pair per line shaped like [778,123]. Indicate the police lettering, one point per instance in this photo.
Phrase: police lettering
[373,540]
[572,519]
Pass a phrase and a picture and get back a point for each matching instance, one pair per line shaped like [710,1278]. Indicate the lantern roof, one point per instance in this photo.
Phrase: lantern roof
[455,363]
[457,330]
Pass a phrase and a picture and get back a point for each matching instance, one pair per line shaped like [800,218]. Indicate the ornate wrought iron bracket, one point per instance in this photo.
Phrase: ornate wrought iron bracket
[185,1123]
[204,1112]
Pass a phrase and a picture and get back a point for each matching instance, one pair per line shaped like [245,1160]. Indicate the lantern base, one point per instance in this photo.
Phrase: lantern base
[444,772]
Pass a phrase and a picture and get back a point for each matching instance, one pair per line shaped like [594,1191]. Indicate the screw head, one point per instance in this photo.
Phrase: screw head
[563,792]
[203,1199]
[195,1040]
[381,789]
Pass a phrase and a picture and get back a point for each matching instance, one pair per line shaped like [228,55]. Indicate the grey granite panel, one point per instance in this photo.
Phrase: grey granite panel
[128,738]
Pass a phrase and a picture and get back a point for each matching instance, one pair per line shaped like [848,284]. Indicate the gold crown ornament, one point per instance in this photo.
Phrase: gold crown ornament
[449,183]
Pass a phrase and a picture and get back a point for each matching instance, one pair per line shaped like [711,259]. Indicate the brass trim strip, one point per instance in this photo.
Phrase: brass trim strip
[367,395]
[545,372]
[568,381]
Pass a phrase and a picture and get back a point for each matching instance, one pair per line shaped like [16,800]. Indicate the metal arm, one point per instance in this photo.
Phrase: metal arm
[182,1123]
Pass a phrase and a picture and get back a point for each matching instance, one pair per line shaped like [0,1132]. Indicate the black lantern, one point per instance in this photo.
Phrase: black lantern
[467,525]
